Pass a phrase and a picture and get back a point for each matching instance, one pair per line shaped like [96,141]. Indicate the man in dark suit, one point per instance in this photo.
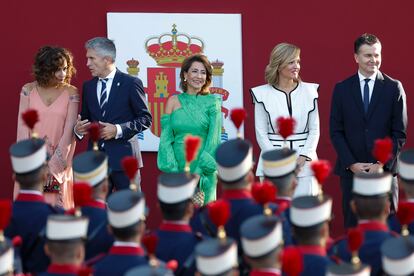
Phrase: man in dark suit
[367,106]
[117,101]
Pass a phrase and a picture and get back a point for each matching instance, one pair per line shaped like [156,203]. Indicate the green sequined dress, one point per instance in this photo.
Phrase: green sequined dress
[198,115]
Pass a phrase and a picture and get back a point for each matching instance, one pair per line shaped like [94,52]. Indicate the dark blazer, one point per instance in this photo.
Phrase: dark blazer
[353,132]
[127,107]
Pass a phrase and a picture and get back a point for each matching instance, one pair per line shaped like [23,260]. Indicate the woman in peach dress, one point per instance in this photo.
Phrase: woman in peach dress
[57,104]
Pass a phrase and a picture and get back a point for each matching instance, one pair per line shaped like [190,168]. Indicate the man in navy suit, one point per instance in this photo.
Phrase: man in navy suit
[117,101]
[367,106]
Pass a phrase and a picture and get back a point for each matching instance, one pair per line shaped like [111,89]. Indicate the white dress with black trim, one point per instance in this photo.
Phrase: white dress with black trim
[271,103]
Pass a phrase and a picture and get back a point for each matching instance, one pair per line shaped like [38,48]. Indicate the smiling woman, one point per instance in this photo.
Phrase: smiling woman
[195,112]
[56,101]
[286,95]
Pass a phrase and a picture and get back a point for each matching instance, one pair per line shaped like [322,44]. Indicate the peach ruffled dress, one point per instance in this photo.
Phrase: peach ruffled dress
[56,123]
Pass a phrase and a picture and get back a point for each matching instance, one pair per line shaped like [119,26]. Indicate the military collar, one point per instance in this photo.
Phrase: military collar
[236,194]
[30,196]
[312,249]
[63,269]
[371,225]
[175,226]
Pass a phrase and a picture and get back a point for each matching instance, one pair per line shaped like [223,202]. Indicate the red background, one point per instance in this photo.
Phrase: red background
[324,29]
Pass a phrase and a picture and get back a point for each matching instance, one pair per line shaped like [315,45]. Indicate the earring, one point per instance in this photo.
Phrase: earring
[185,80]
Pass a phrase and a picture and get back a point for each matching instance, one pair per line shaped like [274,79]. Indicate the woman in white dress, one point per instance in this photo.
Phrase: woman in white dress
[285,94]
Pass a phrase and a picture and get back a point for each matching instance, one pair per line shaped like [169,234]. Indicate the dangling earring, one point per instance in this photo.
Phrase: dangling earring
[185,80]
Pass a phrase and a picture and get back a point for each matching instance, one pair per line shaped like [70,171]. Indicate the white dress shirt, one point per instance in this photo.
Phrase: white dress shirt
[109,82]
[370,84]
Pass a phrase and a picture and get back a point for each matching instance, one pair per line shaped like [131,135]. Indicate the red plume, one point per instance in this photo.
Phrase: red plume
[383,149]
[150,242]
[93,130]
[321,169]
[172,265]
[238,115]
[5,213]
[82,193]
[285,126]
[264,193]
[30,118]
[219,212]
[130,165]
[355,239]
[70,212]
[292,261]
[405,213]
[192,144]
[17,241]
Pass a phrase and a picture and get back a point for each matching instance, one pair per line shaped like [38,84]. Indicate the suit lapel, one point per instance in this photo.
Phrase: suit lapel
[356,93]
[376,94]
[94,97]
[115,90]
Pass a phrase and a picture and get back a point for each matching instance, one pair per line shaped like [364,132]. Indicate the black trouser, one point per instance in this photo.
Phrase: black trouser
[119,181]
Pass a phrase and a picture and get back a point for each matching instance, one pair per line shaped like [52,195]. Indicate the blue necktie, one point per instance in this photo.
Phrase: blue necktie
[366,95]
[103,100]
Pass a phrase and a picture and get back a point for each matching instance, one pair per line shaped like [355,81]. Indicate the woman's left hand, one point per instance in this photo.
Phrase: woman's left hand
[300,163]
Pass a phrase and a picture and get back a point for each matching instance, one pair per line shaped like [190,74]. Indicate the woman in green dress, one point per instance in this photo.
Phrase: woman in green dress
[195,112]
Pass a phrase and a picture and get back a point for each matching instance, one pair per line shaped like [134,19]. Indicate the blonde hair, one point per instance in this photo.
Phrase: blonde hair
[282,54]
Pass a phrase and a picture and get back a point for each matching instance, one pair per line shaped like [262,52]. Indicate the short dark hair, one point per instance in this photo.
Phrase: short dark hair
[368,39]
[64,250]
[408,187]
[308,235]
[175,211]
[31,180]
[283,183]
[185,66]
[50,59]
[370,207]
[125,234]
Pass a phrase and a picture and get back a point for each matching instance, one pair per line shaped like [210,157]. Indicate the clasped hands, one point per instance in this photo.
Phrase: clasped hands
[107,131]
[366,167]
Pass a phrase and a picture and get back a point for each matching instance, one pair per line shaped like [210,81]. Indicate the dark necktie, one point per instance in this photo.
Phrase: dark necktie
[366,95]
[104,99]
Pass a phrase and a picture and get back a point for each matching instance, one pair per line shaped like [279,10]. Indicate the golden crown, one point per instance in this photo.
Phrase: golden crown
[132,63]
[171,49]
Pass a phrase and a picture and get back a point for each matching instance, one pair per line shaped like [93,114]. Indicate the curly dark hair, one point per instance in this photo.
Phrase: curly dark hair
[185,66]
[50,59]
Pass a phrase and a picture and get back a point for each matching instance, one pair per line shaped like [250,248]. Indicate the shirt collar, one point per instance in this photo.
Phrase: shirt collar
[265,271]
[33,192]
[110,75]
[362,78]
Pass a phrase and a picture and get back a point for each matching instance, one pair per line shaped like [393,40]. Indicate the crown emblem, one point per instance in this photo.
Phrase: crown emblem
[133,67]
[171,49]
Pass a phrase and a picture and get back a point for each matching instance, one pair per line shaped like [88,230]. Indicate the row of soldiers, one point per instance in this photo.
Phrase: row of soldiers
[254,228]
